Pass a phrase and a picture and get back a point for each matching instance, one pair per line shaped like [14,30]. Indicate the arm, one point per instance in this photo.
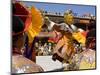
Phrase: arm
[52,25]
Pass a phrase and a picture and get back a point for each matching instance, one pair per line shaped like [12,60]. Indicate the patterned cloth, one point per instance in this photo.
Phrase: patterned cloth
[85,60]
[20,64]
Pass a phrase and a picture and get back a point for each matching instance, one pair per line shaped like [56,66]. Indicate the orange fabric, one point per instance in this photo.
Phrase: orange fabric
[36,24]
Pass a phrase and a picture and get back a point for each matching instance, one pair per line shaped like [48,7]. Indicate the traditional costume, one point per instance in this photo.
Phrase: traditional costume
[23,25]
[65,46]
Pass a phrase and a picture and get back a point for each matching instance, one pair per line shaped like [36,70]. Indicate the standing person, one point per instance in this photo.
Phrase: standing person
[88,61]
[20,64]
[87,58]
[65,46]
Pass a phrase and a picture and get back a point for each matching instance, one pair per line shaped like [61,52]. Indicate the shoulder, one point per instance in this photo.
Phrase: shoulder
[22,64]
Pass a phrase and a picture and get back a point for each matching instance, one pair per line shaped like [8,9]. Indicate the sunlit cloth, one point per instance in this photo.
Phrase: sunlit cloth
[88,60]
[36,24]
[79,37]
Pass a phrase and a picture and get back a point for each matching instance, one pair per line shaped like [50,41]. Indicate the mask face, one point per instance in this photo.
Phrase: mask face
[69,19]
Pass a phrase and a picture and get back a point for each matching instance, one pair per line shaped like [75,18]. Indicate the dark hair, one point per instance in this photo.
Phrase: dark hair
[17,22]
[90,38]
[17,25]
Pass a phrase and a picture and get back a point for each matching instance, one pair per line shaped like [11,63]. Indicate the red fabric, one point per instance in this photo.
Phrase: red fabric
[56,38]
[23,13]
[84,33]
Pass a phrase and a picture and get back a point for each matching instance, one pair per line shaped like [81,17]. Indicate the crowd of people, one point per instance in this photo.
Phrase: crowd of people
[45,49]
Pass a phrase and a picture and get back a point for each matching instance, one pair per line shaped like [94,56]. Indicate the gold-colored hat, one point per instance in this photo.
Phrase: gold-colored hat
[68,17]
[36,25]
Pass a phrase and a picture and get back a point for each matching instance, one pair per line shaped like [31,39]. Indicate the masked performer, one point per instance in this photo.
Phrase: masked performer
[65,48]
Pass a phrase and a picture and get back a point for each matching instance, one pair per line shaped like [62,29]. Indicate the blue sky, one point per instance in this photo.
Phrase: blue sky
[54,7]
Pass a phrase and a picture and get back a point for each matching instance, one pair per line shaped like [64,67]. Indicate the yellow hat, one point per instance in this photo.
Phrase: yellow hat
[68,17]
[36,25]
